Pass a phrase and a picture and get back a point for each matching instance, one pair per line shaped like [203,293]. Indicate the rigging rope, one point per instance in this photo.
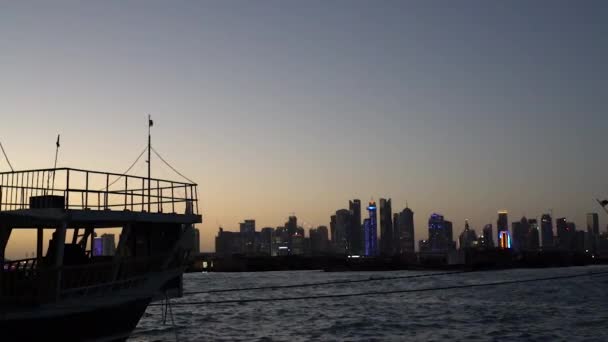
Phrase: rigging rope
[378,293]
[6,157]
[127,171]
[333,282]
[171,167]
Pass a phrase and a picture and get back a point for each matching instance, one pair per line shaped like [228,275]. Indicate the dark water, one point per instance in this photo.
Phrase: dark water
[561,310]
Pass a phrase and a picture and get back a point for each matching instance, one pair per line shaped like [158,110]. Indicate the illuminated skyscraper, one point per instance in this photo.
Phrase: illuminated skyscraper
[104,245]
[504,239]
[546,227]
[370,237]
[502,230]
[503,221]
[386,227]
[440,234]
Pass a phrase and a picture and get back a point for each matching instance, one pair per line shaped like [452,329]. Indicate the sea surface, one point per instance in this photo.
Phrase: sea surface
[559,310]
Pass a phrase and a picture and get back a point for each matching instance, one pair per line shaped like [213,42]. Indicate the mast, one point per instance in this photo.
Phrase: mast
[56,155]
[150,123]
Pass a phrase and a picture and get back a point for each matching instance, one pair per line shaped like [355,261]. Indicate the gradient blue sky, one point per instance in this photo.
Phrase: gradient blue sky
[273,107]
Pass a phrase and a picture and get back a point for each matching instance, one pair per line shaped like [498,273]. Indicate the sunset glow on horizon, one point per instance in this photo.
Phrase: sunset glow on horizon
[278,107]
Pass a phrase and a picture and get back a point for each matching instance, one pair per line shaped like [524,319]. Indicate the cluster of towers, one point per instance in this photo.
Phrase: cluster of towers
[528,235]
[350,236]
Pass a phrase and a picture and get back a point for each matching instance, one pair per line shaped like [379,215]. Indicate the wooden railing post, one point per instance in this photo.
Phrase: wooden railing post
[105,202]
[126,187]
[86,196]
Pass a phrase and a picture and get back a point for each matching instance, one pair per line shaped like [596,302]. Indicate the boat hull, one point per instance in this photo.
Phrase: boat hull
[110,323]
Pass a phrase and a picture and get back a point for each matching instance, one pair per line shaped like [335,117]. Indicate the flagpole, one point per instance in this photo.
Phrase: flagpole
[55,165]
[149,159]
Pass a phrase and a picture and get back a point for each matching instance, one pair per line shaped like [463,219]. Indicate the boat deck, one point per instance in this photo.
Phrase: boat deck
[46,197]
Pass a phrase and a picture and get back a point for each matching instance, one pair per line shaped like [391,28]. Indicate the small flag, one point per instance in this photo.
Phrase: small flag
[58,140]
[604,203]
[150,122]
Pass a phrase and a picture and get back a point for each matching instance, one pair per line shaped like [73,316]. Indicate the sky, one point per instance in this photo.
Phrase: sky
[281,107]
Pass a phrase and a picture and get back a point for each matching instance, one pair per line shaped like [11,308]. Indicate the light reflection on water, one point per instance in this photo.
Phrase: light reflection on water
[571,309]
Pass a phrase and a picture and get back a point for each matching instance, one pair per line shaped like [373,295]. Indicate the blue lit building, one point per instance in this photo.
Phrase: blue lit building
[370,228]
[437,234]
[504,239]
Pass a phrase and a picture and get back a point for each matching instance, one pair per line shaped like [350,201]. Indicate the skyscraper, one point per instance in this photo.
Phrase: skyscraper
[196,241]
[593,231]
[343,224]
[247,230]
[404,231]
[449,233]
[396,234]
[266,240]
[370,237]
[487,239]
[319,240]
[355,232]
[564,236]
[332,228]
[502,223]
[104,245]
[502,230]
[386,227]
[520,234]
[546,227]
[467,237]
[440,234]
[533,240]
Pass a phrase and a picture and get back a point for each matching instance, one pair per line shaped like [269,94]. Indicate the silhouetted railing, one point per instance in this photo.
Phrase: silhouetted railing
[93,190]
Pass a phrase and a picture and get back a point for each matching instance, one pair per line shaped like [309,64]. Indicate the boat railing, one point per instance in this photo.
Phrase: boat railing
[27,281]
[77,189]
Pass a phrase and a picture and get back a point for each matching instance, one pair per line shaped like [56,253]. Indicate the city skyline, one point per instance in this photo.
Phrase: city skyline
[461,110]
[512,224]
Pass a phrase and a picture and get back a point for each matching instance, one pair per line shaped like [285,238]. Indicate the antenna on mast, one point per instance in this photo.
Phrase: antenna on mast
[150,124]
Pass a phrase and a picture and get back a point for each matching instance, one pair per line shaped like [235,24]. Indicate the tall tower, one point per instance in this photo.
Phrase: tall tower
[355,233]
[546,228]
[593,231]
[386,227]
[370,237]
[488,238]
[564,240]
[343,223]
[502,224]
[438,234]
[519,234]
[502,230]
[404,231]
[533,241]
